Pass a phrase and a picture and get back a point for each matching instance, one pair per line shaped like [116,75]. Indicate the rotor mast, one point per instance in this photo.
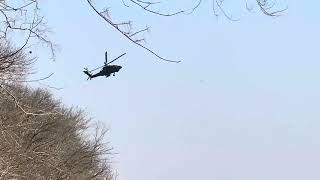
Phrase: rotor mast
[106,57]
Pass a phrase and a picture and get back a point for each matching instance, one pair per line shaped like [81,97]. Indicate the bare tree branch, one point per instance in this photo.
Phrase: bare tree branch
[127,34]
[267,7]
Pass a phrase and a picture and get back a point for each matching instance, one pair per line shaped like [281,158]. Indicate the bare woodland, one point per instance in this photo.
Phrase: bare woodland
[39,137]
[47,145]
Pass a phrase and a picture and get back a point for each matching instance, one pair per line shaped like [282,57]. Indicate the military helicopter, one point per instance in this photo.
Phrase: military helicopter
[106,70]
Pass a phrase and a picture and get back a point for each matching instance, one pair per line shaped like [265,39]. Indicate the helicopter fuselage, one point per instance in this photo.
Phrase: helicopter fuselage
[109,69]
[106,71]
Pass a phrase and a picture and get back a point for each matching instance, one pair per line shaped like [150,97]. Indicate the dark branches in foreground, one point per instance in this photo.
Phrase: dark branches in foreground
[128,34]
[266,6]
[23,17]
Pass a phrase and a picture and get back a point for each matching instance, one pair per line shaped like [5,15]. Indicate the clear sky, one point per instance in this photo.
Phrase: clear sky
[242,105]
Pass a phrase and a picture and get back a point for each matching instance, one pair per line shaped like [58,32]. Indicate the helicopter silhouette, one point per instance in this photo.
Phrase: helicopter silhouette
[106,70]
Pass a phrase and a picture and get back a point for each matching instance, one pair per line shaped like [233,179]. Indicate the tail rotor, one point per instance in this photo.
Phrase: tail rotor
[86,71]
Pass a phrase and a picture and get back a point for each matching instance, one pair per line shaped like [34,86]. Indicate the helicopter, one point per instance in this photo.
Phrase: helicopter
[106,70]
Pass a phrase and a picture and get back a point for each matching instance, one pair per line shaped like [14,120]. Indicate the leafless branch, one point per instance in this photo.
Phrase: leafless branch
[37,80]
[267,7]
[146,5]
[127,34]
[219,4]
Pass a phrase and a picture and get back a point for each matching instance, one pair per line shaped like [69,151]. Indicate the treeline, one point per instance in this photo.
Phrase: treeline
[39,137]
[46,140]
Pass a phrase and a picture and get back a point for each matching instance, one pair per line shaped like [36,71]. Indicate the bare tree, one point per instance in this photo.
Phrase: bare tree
[23,17]
[50,146]
[16,66]
[21,27]
[39,138]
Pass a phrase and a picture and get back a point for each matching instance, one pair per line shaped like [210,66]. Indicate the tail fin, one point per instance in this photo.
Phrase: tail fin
[87,73]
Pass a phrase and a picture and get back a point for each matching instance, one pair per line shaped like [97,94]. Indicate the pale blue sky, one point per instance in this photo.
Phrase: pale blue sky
[243,104]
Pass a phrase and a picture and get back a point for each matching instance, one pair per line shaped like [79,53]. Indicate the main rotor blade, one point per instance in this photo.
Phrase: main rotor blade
[109,62]
[117,58]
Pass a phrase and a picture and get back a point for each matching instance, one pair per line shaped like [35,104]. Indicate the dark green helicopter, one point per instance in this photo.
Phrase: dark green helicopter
[106,70]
